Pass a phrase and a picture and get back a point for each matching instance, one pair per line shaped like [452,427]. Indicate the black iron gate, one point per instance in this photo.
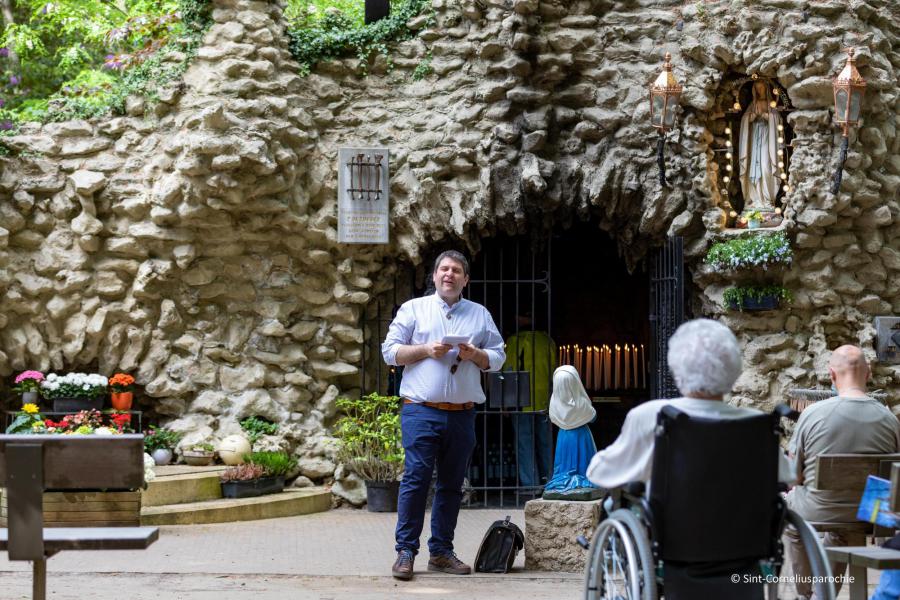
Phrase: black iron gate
[513,456]
[666,312]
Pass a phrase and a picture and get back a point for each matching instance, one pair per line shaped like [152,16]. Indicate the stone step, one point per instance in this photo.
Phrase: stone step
[181,484]
[285,504]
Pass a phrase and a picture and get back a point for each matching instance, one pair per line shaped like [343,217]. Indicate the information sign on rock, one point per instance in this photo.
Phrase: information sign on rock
[363,209]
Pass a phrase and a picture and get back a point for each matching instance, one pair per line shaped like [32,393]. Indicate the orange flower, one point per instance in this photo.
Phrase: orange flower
[121,382]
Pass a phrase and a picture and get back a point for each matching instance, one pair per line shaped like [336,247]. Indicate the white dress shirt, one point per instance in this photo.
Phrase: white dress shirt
[429,319]
[630,457]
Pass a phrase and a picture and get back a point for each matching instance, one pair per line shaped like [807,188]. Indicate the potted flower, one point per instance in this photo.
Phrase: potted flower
[160,444]
[27,420]
[756,297]
[263,473]
[85,422]
[754,219]
[370,446]
[74,392]
[750,251]
[28,384]
[199,455]
[121,394]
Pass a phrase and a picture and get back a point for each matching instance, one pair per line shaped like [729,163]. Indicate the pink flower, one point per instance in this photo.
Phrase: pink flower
[36,375]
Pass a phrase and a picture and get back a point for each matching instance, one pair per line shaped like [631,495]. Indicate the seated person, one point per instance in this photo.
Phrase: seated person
[571,410]
[705,360]
[849,423]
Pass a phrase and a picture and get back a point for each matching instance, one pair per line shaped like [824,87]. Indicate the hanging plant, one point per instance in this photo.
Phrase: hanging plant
[748,252]
[756,297]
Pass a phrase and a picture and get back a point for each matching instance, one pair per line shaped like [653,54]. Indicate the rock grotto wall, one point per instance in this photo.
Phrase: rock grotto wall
[194,242]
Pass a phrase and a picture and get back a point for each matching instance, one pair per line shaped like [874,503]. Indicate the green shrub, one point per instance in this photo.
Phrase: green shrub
[335,35]
[369,434]
[758,250]
[156,439]
[256,427]
[734,296]
[274,463]
[79,59]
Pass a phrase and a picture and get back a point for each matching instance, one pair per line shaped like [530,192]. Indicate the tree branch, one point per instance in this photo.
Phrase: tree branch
[7,13]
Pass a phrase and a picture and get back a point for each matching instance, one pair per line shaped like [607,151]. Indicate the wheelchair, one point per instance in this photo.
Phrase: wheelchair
[711,527]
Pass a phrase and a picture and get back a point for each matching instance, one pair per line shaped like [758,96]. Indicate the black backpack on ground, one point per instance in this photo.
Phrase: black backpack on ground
[498,549]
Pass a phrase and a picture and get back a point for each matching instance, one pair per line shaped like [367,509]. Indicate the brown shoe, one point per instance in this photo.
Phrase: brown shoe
[403,566]
[448,563]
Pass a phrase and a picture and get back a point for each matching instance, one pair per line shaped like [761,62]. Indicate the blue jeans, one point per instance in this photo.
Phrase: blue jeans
[432,436]
[888,586]
[533,439]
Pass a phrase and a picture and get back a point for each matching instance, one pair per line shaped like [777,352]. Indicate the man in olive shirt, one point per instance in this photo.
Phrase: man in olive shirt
[850,423]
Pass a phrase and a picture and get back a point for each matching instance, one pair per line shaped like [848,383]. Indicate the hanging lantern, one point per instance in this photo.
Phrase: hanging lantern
[664,95]
[849,88]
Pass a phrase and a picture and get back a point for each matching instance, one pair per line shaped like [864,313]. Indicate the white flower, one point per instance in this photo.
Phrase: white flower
[104,431]
[149,463]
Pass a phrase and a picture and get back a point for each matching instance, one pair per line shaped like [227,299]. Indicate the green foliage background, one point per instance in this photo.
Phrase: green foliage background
[59,54]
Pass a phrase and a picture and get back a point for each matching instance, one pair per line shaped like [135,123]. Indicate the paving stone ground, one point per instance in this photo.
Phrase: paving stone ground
[337,555]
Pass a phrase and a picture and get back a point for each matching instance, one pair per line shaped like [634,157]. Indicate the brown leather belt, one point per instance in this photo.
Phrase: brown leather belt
[442,405]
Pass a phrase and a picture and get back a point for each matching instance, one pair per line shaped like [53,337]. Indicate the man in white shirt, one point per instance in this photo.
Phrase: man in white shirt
[440,387]
[705,360]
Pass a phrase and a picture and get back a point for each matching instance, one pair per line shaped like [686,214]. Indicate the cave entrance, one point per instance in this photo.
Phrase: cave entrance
[573,288]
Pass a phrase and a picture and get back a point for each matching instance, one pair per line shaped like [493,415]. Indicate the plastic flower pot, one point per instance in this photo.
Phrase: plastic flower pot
[252,487]
[381,496]
[29,397]
[768,302]
[121,400]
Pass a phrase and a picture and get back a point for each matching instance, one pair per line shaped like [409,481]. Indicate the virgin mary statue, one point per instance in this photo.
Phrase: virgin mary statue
[571,410]
[759,151]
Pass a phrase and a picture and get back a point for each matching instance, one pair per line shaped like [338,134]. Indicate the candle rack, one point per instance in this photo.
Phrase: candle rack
[365,176]
[607,367]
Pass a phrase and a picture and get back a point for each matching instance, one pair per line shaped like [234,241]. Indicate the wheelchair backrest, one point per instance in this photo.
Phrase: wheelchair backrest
[714,488]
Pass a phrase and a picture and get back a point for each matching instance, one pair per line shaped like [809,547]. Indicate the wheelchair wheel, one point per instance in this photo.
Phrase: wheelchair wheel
[819,565]
[620,564]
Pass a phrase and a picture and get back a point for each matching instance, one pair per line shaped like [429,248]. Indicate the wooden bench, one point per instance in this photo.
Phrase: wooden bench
[860,558]
[30,464]
[848,473]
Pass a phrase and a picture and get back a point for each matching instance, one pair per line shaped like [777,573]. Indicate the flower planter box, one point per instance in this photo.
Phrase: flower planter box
[752,304]
[86,509]
[74,405]
[253,487]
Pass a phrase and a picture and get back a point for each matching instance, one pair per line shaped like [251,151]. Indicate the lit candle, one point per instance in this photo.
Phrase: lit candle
[616,366]
[590,368]
[578,360]
[608,372]
[627,361]
[636,378]
[596,368]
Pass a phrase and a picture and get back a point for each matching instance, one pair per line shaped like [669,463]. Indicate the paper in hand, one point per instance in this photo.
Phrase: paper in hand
[455,340]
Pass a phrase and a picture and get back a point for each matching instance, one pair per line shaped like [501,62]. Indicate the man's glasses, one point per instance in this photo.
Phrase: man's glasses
[455,365]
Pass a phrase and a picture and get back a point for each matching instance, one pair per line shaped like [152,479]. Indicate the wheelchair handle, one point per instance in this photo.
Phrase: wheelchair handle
[583,542]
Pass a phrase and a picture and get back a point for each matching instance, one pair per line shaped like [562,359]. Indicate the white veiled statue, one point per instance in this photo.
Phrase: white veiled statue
[570,406]
[759,151]
[571,410]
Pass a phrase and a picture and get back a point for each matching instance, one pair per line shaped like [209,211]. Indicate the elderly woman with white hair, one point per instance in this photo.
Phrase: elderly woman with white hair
[705,360]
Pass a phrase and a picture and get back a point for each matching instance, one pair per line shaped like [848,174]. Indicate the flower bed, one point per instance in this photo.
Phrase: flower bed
[759,250]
